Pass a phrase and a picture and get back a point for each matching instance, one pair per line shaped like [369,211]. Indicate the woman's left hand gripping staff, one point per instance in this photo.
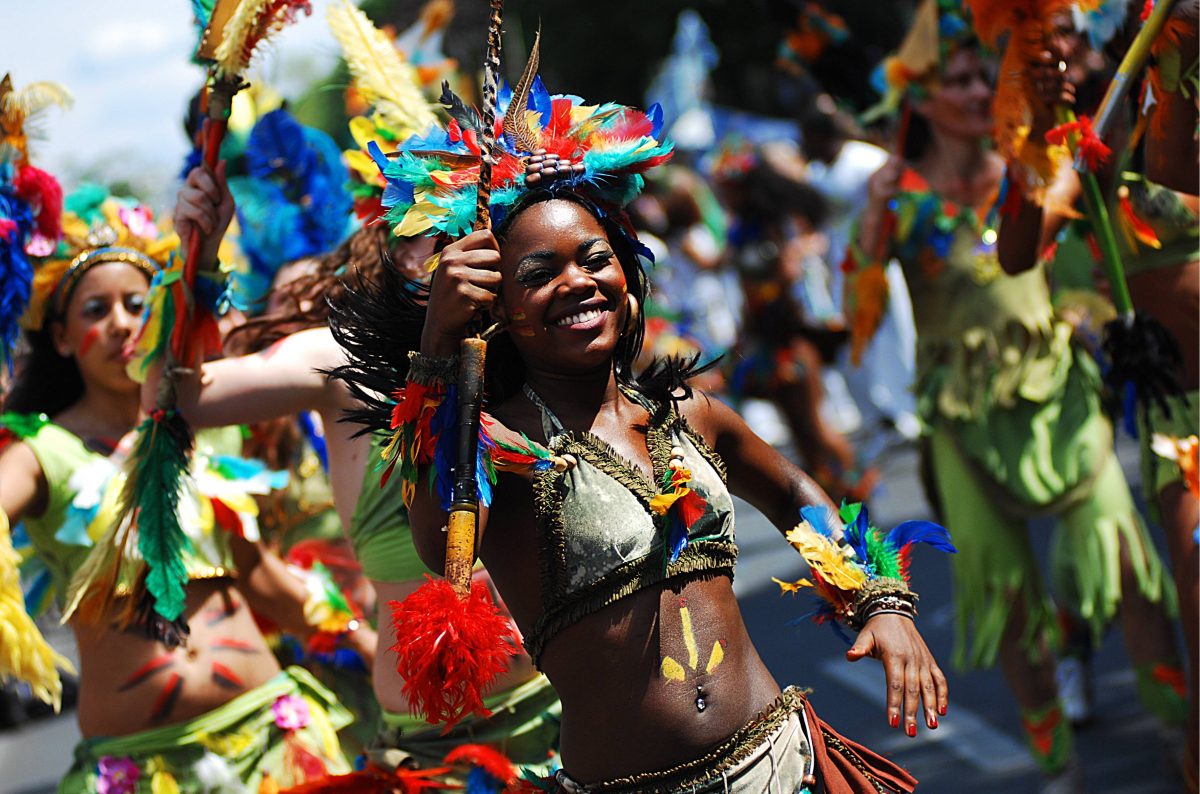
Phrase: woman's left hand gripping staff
[913,676]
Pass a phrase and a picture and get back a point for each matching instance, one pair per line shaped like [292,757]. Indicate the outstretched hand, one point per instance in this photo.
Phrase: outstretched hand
[913,676]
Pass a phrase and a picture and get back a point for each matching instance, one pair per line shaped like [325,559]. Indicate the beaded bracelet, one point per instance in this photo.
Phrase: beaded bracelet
[857,570]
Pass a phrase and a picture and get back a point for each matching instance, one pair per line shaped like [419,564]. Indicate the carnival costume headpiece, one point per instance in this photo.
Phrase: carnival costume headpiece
[291,203]
[541,142]
[30,202]
[939,29]
[96,228]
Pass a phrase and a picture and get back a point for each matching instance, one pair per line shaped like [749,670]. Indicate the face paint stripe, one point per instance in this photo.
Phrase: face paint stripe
[229,644]
[89,339]
[151,667]
[166,701]
[226,678]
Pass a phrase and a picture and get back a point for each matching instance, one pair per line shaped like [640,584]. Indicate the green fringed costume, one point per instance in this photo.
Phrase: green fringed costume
[229,748]
[1012,413]
[266,733]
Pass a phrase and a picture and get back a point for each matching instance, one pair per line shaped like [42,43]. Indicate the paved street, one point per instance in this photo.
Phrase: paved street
[976,749]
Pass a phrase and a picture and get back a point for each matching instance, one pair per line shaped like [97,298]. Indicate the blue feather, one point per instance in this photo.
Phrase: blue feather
[678,540]
[909,532]
[655,114]
[820,517]
[539,100]
[277,143]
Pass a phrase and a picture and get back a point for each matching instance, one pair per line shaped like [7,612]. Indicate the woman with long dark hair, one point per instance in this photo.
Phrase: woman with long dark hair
[174,710]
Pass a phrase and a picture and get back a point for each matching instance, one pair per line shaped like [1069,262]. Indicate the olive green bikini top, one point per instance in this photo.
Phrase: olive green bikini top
[599,540]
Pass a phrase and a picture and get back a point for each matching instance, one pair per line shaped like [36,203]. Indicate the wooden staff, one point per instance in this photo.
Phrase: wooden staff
[464,509]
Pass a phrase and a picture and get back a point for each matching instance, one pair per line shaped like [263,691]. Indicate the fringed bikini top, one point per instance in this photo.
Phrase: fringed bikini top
[606,531]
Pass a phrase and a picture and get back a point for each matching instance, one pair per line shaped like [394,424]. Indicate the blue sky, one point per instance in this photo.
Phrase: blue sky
[127,64]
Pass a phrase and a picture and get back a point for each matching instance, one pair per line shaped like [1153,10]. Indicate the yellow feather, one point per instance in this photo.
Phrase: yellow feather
[823,555]
[380,72]
[249,26]
[24,652]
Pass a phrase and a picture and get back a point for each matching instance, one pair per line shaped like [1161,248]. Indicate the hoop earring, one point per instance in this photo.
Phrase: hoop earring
[634,311]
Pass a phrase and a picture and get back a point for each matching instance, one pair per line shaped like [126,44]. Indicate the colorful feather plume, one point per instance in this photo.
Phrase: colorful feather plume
[30,202]
[381,74]
[845,554]
[432,180]
[374,780]
[489,771]
[252,23]
[21,111]
[291,204]
[1024,22]
[449,655]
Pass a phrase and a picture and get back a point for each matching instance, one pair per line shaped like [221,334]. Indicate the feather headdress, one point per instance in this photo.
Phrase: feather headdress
[291,203]
[939,28]
[432,180]
[97,227]
[30,201]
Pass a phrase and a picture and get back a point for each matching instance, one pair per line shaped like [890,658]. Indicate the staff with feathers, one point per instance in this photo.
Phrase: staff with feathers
[233,30]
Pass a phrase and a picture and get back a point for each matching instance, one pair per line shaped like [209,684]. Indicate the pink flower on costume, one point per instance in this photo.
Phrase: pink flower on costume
[291,712]
[117,775]
[139,221]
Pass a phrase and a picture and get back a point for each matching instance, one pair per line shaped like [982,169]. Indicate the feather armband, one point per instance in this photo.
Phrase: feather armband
[423,425]
[172,304]
[857,570]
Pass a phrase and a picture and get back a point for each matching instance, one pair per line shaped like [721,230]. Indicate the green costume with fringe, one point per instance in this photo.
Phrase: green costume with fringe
[229,749]
[1012,411]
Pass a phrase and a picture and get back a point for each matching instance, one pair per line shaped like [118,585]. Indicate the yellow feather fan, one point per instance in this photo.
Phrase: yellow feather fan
[382,75]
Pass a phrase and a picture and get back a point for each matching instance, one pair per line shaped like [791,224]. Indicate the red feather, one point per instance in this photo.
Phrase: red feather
[630,125]
[374,780]
[328,553]
[690,507]
[489,760]
[303,763]
[560,118]
[226,518]
[449,649]
[41,191]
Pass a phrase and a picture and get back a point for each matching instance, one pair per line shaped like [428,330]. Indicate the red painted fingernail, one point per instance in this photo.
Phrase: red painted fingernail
[932,721]
[910,729]
[894,720]
[942,710]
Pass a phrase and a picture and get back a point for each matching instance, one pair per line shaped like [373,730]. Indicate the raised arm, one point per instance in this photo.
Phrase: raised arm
[778,488]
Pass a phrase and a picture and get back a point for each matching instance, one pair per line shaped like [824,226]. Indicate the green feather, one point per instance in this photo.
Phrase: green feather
[883,556]
[23,425]
[159,464]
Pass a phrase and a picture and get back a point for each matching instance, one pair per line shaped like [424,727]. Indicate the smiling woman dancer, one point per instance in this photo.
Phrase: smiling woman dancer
[617,561]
